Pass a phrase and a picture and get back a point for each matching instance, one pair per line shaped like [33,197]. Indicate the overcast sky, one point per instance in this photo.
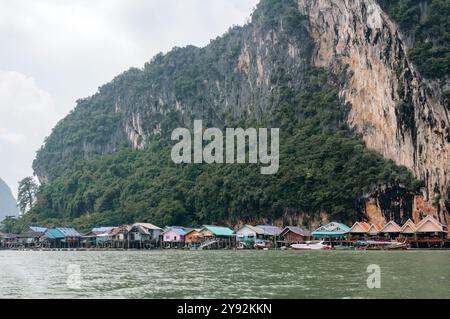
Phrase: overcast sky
[54,52]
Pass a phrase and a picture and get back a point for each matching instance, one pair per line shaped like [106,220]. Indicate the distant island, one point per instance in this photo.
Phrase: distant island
[8,205]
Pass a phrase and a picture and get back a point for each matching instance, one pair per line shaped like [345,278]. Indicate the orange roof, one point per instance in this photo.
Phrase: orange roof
[360,227]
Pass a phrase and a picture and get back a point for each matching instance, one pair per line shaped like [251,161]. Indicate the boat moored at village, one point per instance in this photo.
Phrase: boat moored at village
[312,246]
[380,245]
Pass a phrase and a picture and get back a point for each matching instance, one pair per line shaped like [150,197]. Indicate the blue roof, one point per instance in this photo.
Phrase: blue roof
[38,229]
[180,231]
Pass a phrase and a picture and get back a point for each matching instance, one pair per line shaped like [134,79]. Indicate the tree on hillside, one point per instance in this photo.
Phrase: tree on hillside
[26,197]
[8,224]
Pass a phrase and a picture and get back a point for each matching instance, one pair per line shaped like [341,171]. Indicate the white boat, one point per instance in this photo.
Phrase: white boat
[311,246]
[261,245]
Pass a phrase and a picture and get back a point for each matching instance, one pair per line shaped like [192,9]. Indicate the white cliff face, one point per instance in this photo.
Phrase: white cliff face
[397,113]
[135,132]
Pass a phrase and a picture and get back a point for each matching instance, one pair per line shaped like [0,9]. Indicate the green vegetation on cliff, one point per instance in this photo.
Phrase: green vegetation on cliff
[427,23]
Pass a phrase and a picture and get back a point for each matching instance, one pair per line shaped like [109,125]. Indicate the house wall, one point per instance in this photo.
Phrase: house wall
[153,236]
[293,237]
[192,237]
[172,236]
[156,234]
[245,234]
[207,233]
[138,236]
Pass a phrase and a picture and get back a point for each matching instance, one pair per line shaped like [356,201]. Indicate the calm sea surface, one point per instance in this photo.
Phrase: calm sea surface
[223,274]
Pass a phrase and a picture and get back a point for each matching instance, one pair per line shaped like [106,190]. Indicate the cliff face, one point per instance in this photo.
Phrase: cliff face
[233,79]
[397,113]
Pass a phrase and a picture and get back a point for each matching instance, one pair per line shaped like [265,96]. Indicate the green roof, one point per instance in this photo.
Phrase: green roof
[54,233]
[328,235]
[219,231]
[331,230]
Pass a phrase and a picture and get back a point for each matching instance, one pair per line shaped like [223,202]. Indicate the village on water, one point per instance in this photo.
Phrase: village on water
[429,233]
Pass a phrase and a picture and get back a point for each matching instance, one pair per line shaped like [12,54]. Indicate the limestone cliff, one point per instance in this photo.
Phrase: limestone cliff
[395,110]
[232,79]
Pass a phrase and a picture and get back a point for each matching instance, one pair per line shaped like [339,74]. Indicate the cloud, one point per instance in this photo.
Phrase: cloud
[59,51]
[9,137]
[72,47]
[26,114]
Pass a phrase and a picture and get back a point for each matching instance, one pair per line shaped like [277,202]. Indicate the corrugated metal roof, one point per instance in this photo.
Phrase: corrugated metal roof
[178,230]
[101,230]
[297,230]
[54,233]
[391,227]
[255,229]
[38,229]
[31,234]
[118,230]
[374,229]
[193,230]
[69,232]
[439,226]
[409,227]
[270,230]
[61,233]
[332,229]
[147,225]
[219,231]
[359,227]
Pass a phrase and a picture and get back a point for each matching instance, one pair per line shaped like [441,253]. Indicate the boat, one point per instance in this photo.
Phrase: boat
[262,245]
[396,246]
[379,245]
[311,246]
